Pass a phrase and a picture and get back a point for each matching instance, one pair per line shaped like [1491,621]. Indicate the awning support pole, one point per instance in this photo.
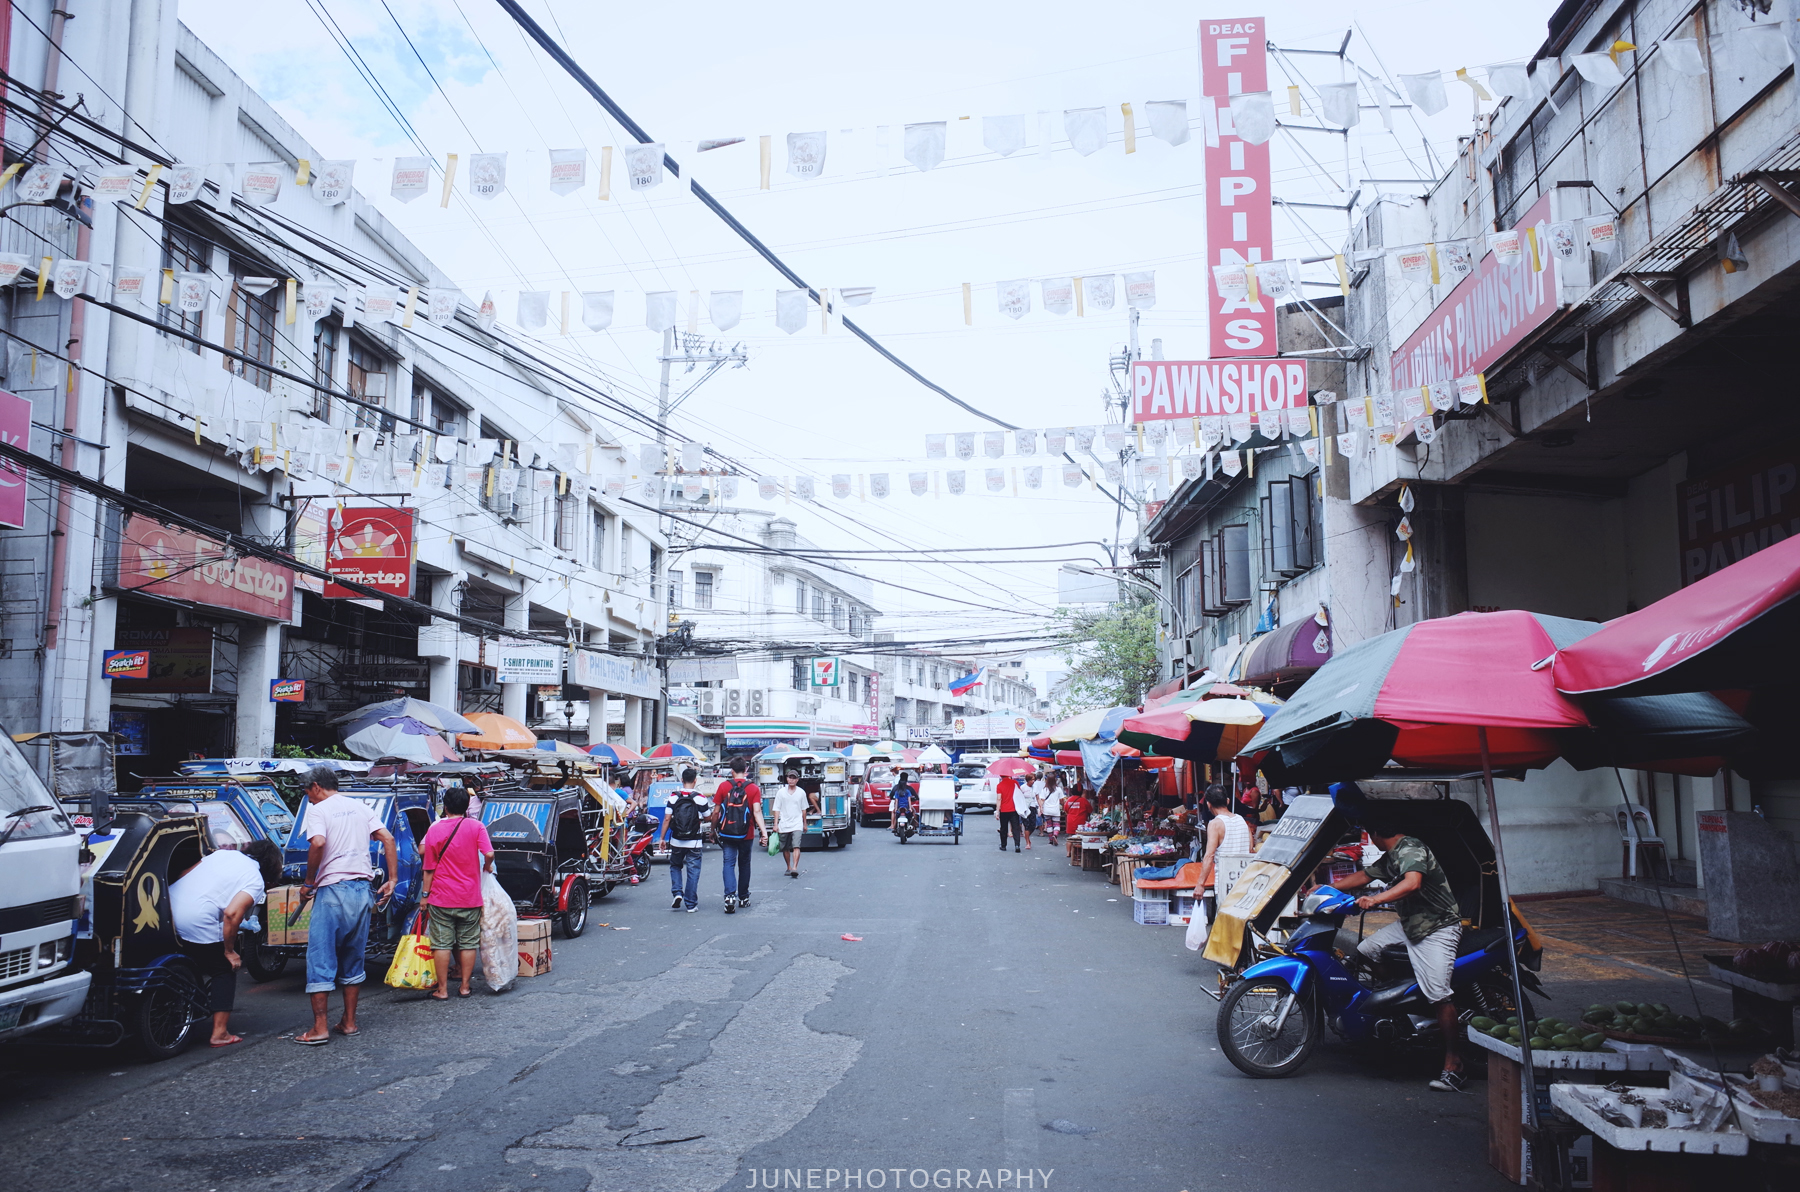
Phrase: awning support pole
[1528,1078]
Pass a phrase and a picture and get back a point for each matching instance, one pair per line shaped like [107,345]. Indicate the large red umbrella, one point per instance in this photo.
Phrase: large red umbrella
[1737,628]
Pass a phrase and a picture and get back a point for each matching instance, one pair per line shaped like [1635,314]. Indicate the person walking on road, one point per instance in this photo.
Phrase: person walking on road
[1009,811]
[791,806]
[1226,834]
[1027,799]
[1050,804]
[737,809]
[456,849]
[337,883]
[682,826]
[208,902]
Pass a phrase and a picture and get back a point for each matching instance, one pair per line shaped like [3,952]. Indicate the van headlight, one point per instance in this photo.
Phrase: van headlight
[53,952]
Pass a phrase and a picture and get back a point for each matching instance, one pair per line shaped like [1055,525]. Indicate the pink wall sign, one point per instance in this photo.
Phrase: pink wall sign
[1240,213]
[15,431]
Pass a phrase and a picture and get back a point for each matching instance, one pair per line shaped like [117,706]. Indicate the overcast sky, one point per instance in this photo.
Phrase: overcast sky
[824,403]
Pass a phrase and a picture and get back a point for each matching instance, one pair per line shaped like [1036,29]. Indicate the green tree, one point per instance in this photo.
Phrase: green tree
[1111,654]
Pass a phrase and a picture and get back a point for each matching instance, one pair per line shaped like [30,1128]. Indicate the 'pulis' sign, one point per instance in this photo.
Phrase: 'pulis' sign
[1240,216]
[1200,388]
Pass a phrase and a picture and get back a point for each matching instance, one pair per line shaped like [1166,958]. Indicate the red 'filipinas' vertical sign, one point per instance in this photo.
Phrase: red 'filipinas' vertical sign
[1240,216]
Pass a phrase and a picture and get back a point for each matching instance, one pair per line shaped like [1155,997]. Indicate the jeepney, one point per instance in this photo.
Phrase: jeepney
[824,774]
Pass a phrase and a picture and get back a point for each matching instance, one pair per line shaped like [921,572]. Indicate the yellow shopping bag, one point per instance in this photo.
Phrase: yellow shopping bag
[414,966]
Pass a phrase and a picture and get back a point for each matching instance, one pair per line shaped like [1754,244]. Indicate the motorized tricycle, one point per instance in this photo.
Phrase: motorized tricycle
[1309,975]
[931,813]
[557,850]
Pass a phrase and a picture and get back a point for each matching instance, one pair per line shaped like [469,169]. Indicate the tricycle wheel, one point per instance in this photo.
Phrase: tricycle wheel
[162,1019]
[262,962]
[574,920]
[641,863]
[1248,1015]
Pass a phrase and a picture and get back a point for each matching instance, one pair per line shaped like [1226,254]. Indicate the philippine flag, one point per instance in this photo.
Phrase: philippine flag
[969,683]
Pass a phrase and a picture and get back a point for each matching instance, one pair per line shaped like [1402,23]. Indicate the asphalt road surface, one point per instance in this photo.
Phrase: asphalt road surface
[1002,1023]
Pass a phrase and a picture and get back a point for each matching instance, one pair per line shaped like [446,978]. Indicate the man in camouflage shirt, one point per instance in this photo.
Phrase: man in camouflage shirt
[1430,926]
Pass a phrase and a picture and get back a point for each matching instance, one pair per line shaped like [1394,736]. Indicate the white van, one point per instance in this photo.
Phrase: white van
[40,887]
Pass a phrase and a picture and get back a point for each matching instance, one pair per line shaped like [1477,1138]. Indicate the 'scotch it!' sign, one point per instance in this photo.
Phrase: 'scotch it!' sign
[1240,216]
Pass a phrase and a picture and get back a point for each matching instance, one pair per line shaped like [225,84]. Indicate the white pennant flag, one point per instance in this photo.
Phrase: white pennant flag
[1253,116]
[919,483]
[1230,463]
[1278,279]
[965,445]
[191,292]
[1058,294]
[1683,55]
[1456,259]
[1168,120]
[488,313]
[1114,470]
[261,183]
[185,182]
[1507,246]
[1099,291]
[644,165]
[840,485]
[1025,442]
[1212,430]
[803,488]
[1014,298]
[40,183]
[534,309]
[597,309]
[128,285]
[1415,263]
[412,177]
[1269,423]
[1241,427]
[1034,476]
[725,307]
[1140,290]
[115,182]
[1004,135]
[996,480]
[806,154]
[1056,440]
[69,277]
[1193,467]
[487,175]
[1340,104]
[790,310]
[934,446]
[659,310]
[568,170]
[1310,449]
[1299,421]
[1509,78]
[1232,280]
[1072,475]
[1426,91]
[767,487]
[1598,69]
[1563,239]
[993,443]
[855,295]
[956,482]
[442,310]
[1084,439]
[1601,233]
[1086,129]
[1346,443]
[380,304]
[332,181]
[923,145]
[1116,436]
[878,485]
[319,296]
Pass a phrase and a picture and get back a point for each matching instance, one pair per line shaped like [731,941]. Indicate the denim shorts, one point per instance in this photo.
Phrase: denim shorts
[338,935]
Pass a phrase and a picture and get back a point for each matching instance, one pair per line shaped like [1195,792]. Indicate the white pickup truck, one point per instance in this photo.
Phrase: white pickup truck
[40,887]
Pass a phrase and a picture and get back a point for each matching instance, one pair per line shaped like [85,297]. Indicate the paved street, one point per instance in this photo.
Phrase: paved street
[1000,1014]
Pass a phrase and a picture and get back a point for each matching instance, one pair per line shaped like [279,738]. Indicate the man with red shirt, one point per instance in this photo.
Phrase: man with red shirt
[737,820]
[1009,813]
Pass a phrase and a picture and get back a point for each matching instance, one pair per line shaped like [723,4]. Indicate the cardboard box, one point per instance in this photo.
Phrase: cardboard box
[287,919]
[534,947]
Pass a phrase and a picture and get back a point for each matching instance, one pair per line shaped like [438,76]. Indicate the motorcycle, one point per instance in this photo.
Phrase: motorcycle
[1275,1013]
[640,842]
[904,822]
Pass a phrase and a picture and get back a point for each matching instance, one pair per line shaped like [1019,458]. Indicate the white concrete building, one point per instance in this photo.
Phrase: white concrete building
[250,417]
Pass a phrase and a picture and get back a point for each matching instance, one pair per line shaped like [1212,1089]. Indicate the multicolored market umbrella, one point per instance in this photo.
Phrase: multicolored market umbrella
[860,751]
[1206,730]
[1737,628]
[618,755]
[494,731]
[564,749]
[672,749]
[434,716]
[1094,725]
[398,736]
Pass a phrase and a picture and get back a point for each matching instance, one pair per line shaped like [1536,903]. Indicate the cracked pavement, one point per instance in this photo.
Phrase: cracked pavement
[981,1025]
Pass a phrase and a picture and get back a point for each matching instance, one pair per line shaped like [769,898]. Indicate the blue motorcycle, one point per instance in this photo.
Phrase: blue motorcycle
[1274,1013]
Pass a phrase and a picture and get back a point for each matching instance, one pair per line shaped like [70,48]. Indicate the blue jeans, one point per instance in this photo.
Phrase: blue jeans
[684,863]
[338,935]
[737,865]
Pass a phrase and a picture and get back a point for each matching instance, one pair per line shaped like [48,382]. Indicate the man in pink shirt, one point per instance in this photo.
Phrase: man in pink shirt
[456,849]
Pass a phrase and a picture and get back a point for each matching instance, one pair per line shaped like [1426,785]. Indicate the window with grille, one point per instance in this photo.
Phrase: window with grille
[326,336]
[802,674]
[568,521]
[1290,512]
[800,598]
[703,589]
[855,622]
[250,321]
[675,589]
[837,615]
[818,609]
[369,380]
[442,414]
[597,560]
[183,251]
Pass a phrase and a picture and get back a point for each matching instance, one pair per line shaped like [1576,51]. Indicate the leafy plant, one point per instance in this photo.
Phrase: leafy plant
[1111,654]
[312,752]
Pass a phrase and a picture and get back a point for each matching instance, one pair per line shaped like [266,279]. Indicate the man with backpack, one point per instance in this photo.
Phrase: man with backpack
[737,807]
[687,810]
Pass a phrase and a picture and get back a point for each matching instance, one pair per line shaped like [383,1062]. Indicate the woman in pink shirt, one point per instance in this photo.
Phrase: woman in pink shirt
[456,849]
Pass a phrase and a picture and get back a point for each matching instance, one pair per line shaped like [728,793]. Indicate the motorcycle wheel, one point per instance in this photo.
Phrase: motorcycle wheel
[1246,1017]
[574,920]
[641,863]
[262,962]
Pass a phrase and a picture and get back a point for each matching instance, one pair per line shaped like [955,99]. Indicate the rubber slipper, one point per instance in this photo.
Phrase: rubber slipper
[434,997]
[465,993]
[230,1041]
[305,1042]
[341,1031]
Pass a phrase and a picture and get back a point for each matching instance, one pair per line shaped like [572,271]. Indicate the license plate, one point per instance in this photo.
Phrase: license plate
[9,1015]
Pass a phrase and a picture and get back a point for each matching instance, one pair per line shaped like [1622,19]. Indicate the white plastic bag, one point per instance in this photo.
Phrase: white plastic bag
[499,935]
[1199,925]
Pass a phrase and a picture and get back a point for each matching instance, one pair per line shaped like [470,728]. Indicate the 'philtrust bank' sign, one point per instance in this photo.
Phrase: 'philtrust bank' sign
[615,673]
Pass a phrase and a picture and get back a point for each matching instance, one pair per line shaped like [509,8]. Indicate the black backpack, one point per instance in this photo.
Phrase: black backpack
[684,817]
[734,810]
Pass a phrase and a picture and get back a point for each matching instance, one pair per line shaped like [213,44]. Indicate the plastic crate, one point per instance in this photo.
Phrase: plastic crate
[1152,912]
